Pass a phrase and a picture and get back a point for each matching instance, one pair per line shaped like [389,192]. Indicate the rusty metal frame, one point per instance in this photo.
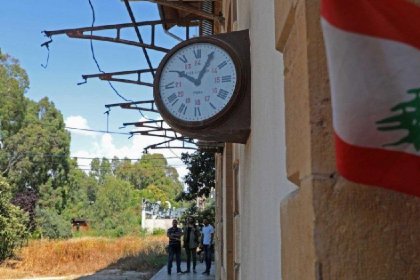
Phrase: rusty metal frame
[133,106]
[109,76]
[155,128]
[79,33]
[150,127]
[183,139]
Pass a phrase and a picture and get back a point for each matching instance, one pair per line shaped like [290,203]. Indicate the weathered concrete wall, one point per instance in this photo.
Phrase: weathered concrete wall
[261,162]
[363,232]
[152,224]
[331,228]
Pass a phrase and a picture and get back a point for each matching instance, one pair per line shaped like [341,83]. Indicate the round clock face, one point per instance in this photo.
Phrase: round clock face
[197,82]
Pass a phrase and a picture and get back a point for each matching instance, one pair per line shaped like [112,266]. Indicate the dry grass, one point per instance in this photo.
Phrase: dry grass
[86,255]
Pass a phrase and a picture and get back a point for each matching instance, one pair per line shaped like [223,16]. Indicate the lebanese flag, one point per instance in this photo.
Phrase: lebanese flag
[373,53]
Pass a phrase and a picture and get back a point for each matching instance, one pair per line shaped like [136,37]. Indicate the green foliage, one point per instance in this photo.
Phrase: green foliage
[116,211]
[13,84]
[200,180]
[52,225]
[209,212]
[47,184]
[81,191]
[152,175]
[159,231]
[13,221]
[99,169]
[201,176]
[38,152]
[153,194]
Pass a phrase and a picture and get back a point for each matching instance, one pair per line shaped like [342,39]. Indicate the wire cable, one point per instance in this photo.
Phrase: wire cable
[98,131]
[133,20]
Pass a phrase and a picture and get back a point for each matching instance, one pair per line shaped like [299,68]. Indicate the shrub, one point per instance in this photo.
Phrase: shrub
[26,201]
[51,225]
[13,232]
[158,231]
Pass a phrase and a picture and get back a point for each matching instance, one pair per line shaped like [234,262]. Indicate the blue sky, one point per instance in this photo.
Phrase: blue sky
[82,106]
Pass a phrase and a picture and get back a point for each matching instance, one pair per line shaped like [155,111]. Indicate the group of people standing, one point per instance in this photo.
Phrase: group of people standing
[193,238]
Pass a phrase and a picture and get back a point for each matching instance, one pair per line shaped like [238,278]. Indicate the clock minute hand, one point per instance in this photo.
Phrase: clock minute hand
[203,71]
[183,75]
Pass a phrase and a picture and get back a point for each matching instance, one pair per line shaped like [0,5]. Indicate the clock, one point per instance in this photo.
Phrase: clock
[198,82]
[202,87]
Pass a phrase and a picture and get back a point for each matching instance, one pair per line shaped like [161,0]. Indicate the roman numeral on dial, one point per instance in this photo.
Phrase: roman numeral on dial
[222,94]
[172,98]
[182,109]
[197,111]
[226,79]
[183,58]
[197,54]
[170,85]
[221,65]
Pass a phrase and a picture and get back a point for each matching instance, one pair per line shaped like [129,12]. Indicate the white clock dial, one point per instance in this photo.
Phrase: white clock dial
[197,82]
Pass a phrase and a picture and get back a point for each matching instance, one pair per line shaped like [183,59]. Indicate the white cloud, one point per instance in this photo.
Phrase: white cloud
[78,122]
[109,146]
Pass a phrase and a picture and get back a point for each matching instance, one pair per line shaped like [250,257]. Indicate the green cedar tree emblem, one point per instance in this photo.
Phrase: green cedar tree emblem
[408,119]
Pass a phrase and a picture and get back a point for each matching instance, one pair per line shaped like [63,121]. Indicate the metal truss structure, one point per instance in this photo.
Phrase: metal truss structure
[187,15]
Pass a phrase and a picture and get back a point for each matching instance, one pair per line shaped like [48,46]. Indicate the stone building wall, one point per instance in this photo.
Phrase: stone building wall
[332,228]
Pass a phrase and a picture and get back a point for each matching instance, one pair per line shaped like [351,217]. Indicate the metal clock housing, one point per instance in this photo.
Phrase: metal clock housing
[197,83]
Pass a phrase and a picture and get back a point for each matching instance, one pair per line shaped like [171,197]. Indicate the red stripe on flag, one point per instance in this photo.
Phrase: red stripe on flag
[396,20]
[389,169]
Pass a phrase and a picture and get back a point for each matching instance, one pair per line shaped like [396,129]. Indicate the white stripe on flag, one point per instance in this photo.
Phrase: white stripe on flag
[368,77]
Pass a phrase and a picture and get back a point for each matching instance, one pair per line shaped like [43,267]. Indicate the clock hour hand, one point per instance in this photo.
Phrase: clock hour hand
[203,71]
[182,74]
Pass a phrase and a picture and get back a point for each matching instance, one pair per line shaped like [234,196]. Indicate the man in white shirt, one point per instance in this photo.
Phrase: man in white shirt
[207,242]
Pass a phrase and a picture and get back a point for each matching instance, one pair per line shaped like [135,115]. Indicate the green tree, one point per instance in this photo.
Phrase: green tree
[105,169]
[117,208]
[201,176]
[39,151]
[81,193]
[52,225]
[100,168]
[115,163]
[95,168]
[14,83]
[153,194]
[12,223]
[34,145]
[153,175]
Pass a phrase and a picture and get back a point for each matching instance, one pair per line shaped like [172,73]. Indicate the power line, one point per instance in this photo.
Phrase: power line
[99,157]
[86,166]
[99,68]
[98,131]
[94,56]
[122,159]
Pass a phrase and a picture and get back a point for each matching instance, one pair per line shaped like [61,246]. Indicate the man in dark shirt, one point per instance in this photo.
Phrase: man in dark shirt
[191,241]
[174,234]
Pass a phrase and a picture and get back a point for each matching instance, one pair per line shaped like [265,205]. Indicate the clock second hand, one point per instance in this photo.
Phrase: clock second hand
[183,75]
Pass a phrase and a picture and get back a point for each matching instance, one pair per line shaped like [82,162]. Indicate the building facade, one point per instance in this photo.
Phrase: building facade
[252,179]
[283,211]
